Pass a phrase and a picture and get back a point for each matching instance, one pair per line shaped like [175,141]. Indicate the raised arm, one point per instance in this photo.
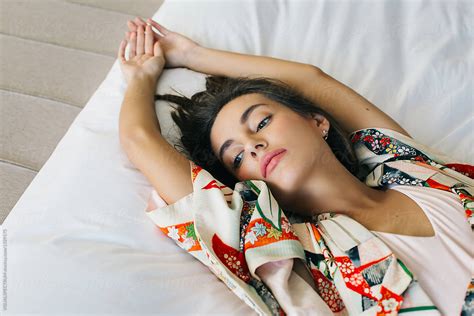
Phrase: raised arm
[351,110]
[139,130]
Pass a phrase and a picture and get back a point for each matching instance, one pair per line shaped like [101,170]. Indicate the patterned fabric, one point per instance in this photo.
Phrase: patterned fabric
[234,232]
[390,157]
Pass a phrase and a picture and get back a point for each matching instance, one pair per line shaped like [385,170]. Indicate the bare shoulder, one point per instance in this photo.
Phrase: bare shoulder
[166,169]
[350,109]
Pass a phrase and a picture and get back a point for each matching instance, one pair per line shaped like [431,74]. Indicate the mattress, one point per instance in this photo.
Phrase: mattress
[79,241]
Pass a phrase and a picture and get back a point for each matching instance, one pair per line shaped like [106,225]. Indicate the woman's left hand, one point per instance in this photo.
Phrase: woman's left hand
[146,57]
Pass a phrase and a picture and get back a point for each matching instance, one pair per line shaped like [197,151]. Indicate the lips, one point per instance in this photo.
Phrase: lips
[267,158]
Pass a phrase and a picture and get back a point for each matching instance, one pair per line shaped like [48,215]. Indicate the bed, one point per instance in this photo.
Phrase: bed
[79,241]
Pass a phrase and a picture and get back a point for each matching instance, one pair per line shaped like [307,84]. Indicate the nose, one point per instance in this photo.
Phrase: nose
[258,147]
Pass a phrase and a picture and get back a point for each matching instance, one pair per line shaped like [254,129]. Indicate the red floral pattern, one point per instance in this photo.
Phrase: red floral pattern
[328,291]
[233,259]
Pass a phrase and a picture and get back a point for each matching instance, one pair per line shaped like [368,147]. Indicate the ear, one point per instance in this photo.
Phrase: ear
[321,121]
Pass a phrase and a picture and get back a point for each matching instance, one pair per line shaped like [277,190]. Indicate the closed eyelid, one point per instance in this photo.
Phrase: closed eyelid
[266,119]
[254,128]
[243,119]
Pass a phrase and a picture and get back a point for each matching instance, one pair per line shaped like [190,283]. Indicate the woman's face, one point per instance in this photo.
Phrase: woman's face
[270,126]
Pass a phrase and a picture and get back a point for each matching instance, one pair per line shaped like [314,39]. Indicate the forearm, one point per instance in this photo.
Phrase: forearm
[231,64]
[138,108]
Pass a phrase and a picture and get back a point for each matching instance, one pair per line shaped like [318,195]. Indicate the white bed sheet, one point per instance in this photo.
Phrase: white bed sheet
[79,241]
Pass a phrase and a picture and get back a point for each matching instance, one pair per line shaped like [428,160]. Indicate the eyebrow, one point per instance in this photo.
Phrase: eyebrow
[243,119]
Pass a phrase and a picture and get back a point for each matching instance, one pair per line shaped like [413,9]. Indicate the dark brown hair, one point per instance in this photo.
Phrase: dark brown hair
[195,117]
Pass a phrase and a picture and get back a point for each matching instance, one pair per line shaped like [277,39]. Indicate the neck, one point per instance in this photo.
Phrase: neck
[332,188]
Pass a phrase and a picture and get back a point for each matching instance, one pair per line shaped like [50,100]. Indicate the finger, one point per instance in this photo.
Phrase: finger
[121,51]
[140,40]
[148,40]
[133,45]
[157,50]
[132,27]
[138,21]
[163,30]
[127,36]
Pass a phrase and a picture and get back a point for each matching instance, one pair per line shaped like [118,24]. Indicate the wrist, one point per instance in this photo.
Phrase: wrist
[192,56]
[144,78]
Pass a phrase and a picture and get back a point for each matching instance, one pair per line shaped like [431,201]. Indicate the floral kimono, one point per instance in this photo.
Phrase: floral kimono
[234,232]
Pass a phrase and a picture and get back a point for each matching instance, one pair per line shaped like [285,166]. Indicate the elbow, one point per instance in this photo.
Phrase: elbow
[126,139]
[316,69]
[130,137]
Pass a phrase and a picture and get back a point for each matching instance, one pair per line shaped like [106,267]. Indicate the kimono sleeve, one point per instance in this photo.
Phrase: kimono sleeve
[165,215]
[374,146]
[390,158]
[381,152]
[176,220]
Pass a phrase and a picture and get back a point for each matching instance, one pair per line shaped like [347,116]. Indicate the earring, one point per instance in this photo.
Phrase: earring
[325,132]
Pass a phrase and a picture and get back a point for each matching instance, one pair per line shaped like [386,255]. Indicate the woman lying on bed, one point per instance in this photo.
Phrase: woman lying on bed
[327,155]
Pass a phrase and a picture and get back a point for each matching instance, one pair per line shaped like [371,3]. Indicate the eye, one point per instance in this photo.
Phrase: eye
[258,127]
[237,164]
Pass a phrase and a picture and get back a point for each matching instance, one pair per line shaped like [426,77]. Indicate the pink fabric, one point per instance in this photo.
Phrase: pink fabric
[294,293]
[429,258]
[443,263]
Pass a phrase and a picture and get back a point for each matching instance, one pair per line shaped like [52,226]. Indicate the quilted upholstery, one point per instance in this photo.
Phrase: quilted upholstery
[53,56]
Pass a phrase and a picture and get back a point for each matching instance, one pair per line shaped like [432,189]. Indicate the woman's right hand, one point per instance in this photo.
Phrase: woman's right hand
[176,47]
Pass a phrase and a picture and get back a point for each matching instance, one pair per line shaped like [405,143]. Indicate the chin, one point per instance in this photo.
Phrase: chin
[285,182]
[290,176]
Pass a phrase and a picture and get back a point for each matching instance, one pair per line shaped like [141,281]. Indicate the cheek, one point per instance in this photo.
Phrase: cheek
[304,150]
[244,174]
[294,132]
[291,124]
